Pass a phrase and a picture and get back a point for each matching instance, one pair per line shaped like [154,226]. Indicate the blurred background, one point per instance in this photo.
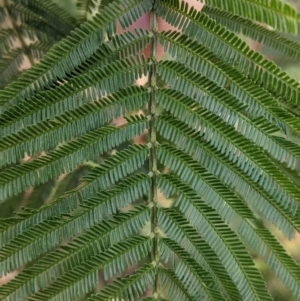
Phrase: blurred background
[13,63]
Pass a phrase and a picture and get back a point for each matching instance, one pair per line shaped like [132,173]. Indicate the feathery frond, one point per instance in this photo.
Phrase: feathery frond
[229,48]
[67,156]
[268,37]
[275,13]
[172,158]
[75,49]
[99,237]
[86,7]
[30,29]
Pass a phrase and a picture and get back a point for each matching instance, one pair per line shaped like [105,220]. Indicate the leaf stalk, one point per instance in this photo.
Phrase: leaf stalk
[152,139]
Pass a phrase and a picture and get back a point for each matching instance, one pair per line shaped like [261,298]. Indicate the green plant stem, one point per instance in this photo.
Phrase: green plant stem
[152,138]
[16,29]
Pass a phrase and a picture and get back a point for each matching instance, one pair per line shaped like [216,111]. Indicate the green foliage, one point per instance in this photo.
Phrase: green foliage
[177,170]
[28,31]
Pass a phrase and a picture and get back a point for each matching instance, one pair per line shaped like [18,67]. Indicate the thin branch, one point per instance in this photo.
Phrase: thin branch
[152,138]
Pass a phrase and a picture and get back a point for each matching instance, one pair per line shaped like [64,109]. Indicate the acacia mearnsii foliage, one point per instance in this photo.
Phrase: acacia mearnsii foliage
[171,136]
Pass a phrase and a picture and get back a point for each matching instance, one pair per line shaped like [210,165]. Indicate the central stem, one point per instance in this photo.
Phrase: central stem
[152,136]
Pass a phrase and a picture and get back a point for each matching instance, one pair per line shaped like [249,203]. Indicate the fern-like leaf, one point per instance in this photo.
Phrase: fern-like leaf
[148,138]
